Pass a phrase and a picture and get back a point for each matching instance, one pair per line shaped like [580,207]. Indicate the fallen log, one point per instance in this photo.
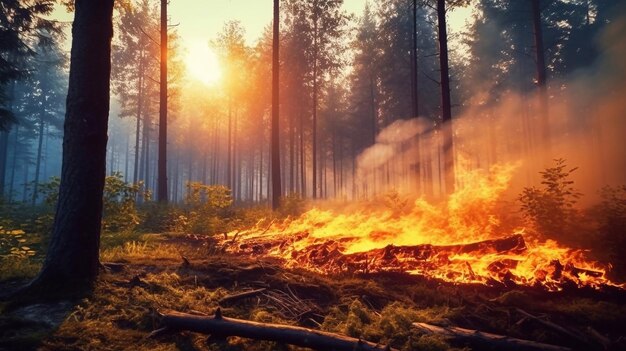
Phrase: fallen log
[480,339]
[219,326]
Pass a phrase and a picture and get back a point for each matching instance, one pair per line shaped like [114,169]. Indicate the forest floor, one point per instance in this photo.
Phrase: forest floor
[121,311]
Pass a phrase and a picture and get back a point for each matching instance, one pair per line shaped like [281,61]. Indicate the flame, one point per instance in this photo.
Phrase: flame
[457,241]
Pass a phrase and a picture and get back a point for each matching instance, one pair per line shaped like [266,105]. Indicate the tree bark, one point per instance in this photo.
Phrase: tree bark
[276,181]
[14,163]
[4,147]
[446,108]
[162,166]
[38,160]
[72,259]
[315,87]
[418,165]
[138,124]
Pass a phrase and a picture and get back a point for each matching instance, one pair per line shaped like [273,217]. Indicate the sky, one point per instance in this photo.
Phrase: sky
[199,21]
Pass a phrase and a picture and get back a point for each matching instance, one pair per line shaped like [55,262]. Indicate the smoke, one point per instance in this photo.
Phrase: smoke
[389,141]
[587,125]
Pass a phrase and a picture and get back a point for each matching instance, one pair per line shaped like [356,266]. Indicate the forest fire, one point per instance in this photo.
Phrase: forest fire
[460,241]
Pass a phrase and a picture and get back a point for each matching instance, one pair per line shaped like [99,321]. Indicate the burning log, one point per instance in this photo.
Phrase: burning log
[480,339]
[219,326]
[328,256]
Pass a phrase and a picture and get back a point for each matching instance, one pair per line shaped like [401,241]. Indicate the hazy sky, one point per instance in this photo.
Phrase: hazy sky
[202,20]
[199,21]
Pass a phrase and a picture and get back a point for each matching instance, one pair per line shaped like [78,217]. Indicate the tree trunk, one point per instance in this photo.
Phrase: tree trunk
[138,126]
[4,147]
[276,181]
[314,146]
[72,259]
[162,166]
[14,163]
[418,165]
[38,160]
[302,158]
[127,154]
[446,108]
[541,75]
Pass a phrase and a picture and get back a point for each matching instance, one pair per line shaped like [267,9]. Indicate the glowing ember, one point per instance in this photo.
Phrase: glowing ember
[457,241]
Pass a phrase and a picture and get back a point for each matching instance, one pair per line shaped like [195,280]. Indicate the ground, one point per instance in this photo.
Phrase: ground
[189,273]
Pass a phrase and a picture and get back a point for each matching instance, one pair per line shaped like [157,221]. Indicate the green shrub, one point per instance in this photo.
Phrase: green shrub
[207,209]
[550,209]
[119,210]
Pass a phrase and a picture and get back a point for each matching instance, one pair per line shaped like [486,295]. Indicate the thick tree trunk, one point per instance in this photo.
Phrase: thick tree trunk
[162,166]
[72,258]
[446,107]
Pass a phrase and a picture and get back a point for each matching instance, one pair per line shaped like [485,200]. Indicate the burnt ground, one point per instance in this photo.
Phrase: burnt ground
[121,311]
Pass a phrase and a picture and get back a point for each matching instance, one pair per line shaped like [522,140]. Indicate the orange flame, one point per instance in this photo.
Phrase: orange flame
[456,241]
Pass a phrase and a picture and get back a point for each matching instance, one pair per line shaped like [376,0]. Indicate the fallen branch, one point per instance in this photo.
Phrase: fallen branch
[480,339]
[299,336]
[554,327]
[239,296]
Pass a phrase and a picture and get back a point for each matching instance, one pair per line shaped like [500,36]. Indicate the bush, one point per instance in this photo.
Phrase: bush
[119,211]
[550,209]
[206,211]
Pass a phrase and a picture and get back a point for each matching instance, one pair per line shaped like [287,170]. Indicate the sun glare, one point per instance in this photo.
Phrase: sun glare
[203,64]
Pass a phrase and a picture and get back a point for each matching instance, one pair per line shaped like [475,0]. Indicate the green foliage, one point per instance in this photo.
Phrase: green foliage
[207,198]
[206,209]
[551,208]
[157,217]
[119,211]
